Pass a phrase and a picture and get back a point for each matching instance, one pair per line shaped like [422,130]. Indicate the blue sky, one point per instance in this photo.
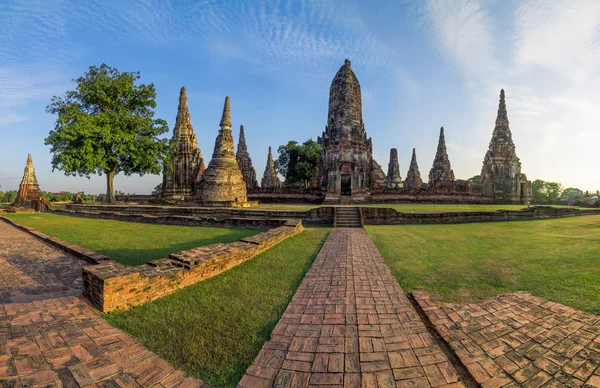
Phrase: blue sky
[421,65]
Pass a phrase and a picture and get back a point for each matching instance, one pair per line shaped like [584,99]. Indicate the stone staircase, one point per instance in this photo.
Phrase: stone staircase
[347,217]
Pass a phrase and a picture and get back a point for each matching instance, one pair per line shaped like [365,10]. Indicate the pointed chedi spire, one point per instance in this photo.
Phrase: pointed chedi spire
[270,179]
[222,183]
[226,118]
[441,171]
[245,162]
[393,181]
[501,170]
[413,176]
[186,163]
[29,195]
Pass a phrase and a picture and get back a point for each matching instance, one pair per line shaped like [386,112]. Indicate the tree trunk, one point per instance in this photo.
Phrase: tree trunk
[110,190]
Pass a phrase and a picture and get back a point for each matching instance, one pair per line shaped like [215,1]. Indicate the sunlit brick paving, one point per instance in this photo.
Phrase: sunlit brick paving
[50,337]
[521,340]
[350,324]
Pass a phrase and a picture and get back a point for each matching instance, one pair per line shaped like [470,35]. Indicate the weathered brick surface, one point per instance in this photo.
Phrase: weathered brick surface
[520,340]
[110,285]
[349,324]
[50,337]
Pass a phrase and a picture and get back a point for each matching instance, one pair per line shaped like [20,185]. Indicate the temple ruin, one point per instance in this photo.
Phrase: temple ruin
[501,175]
[29,196]
[186,163]
[222,183]
[441,172]
[394,180]
[270,180]
[245,162]
[346,166]
[413,176]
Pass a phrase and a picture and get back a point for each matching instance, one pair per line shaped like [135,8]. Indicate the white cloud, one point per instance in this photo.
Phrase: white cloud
[462,30]
[562,36]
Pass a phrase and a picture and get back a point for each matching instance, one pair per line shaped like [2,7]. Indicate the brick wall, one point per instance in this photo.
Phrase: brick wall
[111,285]
[389,216]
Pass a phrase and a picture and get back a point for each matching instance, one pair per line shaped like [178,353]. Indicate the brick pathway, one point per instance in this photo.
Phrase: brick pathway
[50,337]
[350,324]
[521,340]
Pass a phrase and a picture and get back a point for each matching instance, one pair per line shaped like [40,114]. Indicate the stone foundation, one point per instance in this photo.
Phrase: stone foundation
[199,216]
[388,216]
[111,285]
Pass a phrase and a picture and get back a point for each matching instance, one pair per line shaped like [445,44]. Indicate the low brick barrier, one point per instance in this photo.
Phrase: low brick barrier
[111,285]
[199,216]
[389,216]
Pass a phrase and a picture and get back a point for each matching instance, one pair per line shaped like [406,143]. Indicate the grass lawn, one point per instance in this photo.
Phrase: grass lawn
[215,328]
[555,259]
[128,242]
[439,208]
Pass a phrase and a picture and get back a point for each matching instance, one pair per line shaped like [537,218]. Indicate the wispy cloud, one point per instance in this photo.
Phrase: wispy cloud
[562,36]
[463,30]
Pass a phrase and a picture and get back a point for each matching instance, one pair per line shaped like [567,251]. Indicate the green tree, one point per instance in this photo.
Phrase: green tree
[566,194]
[298,163]
[283,161]
[10,196]
[546,192]
[107,126]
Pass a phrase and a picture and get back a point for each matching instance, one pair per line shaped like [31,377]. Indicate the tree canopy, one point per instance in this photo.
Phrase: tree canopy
[107,126]
[546,192]
[298,163]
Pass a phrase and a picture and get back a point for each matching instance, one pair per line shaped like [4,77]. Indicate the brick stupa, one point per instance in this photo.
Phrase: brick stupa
[222,183]
[394,180]
[441,171]
[245,162]
[30,195]
[186,163]
[501,175]
[270,179]
[413,176]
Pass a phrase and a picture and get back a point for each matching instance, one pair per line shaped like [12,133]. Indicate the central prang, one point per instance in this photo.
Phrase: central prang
[346,166]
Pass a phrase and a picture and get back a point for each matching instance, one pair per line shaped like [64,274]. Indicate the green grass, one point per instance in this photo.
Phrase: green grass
[215,328]
[128,242]
[439,208]
[554,259]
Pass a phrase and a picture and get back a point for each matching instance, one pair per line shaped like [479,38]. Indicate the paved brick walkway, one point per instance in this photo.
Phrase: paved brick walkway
[50,337]
[350,324]
[521,340]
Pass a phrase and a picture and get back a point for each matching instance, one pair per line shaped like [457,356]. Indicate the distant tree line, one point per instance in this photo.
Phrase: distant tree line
[551,192]
[11,196]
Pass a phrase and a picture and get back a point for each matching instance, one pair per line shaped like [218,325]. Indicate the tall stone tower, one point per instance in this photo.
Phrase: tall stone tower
[413,176]
[501,175]
[222,183]
[186,162]
[245,162]
[270,179]
[346,165]
[29,195]
[441,171]
[394,180]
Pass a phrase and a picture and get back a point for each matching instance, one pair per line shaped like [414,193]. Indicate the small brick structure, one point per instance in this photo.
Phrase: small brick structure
[110,285]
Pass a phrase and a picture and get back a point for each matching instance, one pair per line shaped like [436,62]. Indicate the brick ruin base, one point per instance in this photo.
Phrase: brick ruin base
[111,285]
[388,216]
